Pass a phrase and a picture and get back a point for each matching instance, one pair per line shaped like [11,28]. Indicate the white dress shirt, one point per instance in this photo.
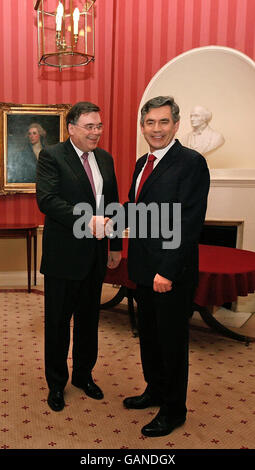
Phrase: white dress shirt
[97,177]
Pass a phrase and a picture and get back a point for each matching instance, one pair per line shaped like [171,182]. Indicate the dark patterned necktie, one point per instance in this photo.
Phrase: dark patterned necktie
[88,171]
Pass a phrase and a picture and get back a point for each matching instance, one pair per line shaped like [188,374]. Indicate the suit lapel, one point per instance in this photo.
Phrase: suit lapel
[138,168]
[167,161]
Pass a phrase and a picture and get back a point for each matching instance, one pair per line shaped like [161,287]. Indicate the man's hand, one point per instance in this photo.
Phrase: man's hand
[114,258]
[108,227]
[161,284]
[97,226]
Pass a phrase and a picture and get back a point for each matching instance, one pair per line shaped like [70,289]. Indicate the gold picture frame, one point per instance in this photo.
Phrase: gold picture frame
[24,130]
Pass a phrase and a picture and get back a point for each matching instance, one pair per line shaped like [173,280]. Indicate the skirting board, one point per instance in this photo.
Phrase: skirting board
[18,278]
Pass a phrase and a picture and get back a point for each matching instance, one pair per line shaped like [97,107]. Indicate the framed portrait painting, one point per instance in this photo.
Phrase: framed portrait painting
[24,131]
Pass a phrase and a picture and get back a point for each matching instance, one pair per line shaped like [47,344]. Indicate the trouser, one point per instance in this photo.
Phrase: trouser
[64,298]
[163,322]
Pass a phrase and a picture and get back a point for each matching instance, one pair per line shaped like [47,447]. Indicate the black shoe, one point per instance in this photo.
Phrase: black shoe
[90,388]
[141,401]
[162,425]
[56,400]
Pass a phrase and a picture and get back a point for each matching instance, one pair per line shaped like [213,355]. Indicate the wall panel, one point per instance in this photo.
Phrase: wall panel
[163,30]
[133,40]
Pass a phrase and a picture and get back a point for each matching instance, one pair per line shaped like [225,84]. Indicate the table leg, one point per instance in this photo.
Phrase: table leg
[116,299]
[35,257]
[211,321]
[131,311]
[29,259]
[129,293]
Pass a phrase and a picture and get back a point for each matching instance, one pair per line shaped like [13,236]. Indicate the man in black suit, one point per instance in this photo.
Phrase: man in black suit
[69,173]
[166,274]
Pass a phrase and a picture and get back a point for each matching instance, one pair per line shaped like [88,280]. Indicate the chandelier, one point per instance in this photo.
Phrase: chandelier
[66,33]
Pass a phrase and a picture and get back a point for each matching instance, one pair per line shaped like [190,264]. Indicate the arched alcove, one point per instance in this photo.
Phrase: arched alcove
[221,79]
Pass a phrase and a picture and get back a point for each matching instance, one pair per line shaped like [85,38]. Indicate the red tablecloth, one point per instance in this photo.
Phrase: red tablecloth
[224,274]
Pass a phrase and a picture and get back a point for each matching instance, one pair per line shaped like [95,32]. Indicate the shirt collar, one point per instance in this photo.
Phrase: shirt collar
[161,152]
[78,151]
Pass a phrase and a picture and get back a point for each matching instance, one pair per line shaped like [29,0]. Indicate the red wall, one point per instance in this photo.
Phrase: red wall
[134,38]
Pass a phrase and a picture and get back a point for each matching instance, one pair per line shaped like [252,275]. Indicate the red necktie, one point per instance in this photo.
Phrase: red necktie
[146,172]
[88,171]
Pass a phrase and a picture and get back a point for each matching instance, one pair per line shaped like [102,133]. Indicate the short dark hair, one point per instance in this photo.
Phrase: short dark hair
[83,107]
[157,103]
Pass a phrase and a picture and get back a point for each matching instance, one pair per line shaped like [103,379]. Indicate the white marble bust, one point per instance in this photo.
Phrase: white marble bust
[202,137]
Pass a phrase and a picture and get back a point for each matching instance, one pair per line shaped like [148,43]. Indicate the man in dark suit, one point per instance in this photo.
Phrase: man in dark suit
[69,173]
[166,274]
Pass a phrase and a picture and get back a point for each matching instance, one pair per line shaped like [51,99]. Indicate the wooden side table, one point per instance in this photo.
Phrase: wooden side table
[27,231]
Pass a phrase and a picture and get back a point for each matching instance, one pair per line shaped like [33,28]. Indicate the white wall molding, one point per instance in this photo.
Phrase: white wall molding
[233,177]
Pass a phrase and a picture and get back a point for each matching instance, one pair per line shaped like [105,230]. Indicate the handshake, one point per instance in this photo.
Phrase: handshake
[101,227]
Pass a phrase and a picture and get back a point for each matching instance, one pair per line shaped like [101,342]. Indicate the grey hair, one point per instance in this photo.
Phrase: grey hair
[36,125]
[83,107]
[157,103]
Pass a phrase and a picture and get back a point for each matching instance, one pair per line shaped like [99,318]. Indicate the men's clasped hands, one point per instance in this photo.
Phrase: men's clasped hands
[100,226]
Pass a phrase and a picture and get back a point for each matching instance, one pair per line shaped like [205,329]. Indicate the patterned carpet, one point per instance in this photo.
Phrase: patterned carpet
[221,396]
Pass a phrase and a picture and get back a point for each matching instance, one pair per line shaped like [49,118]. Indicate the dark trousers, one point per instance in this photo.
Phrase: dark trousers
[64,298]
[163,321]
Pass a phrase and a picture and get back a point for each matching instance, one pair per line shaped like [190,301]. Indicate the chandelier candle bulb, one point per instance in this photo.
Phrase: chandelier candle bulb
[60,12]
[76,17]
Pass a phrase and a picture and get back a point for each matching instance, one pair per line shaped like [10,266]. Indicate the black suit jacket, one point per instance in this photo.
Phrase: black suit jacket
[62,183]
[181,176]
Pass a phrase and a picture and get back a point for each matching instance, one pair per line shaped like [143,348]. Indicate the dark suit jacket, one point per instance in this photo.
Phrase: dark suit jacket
[182,177]
[62,183]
